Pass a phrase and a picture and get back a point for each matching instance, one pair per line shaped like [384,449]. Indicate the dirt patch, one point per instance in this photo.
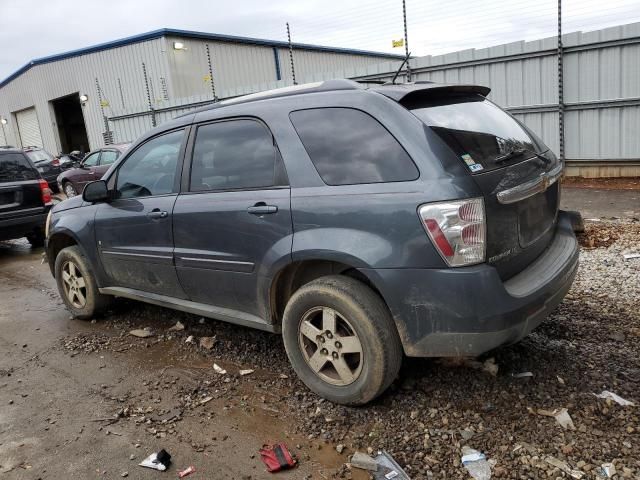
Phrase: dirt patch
[625,183]
[598,235]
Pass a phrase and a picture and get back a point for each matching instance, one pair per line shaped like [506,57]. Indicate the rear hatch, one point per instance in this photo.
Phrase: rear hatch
[515,171]
[19,185]
[43,162]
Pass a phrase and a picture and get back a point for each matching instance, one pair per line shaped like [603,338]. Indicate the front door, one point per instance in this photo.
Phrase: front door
[87,171]
[134,234]
[232,220]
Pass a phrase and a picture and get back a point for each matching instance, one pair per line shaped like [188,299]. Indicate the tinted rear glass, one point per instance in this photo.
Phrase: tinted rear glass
[480,133]
[15,167]
[348,147]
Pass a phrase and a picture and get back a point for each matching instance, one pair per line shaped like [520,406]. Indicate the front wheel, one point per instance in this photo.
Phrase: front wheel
[341,340]
[77,285]
[69,190]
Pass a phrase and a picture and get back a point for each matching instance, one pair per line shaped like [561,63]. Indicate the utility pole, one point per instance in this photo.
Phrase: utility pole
[293,69]
[560,85]
[406,38]
[146,84]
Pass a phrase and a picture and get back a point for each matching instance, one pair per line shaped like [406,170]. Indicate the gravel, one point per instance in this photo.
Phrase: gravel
[437,407]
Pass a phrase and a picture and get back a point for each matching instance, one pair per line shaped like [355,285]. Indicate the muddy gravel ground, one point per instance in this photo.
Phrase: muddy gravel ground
[163,390]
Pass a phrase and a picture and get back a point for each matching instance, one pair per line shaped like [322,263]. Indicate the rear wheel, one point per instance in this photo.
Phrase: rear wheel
[77,285]
[69,190]
[341,340]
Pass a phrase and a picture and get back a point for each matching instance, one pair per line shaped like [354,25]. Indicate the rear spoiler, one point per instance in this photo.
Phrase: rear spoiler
[405,92]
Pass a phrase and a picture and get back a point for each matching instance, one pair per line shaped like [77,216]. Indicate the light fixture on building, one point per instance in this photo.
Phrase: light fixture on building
[179,46]
[84,98]
[3,121]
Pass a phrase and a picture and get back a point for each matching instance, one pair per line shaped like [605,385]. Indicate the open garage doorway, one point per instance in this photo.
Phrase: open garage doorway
[70,120]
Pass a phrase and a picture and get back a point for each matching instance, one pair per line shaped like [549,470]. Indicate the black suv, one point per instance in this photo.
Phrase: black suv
[361,223]
[25,198]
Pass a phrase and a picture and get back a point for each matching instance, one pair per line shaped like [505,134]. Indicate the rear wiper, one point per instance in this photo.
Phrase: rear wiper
[516,152]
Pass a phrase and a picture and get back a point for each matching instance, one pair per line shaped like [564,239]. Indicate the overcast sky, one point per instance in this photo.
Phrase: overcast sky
[35,28]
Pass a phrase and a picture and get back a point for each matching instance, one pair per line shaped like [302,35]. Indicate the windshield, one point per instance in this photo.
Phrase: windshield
[38,155]
[480,133]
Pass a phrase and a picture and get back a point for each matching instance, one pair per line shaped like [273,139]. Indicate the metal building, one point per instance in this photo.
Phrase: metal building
[115,91]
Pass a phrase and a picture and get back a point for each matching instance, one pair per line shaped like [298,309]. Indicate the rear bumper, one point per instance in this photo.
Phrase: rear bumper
[469,311]
[18,227]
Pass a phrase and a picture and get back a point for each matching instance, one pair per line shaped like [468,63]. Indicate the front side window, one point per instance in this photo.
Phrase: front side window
[91,160]
[480,133]
[151,169]
[235,154]
[108,157]
[348,147]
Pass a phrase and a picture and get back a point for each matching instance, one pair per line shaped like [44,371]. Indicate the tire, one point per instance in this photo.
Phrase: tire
[69,189]
[36,239]
[77,285]
[358,312]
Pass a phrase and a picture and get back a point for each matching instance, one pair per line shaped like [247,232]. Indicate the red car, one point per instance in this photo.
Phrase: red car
[93,166]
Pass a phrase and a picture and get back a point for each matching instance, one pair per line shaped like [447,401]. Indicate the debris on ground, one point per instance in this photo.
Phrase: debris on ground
[207,342]
[277,457]
[247,371]
[607,395]
[189,339]
[178,327]
[522,375]
[607,470]
[218,369]
[490,366]
[187,471]
[476,463]
[388,468]
[158,461]
[141,332]
[340,448]
[564,467]
[364,462]
[630,256]
[561,415]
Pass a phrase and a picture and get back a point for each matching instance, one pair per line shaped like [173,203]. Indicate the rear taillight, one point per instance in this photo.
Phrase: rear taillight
[45,191]
[55,162]
[457,229]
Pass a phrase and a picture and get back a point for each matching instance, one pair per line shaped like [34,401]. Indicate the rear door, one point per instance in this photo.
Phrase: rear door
[133,232]
[232,219]
[19,185]
[515,171]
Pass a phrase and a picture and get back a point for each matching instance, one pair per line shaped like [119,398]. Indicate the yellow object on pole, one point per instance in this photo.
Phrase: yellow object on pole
[397,43]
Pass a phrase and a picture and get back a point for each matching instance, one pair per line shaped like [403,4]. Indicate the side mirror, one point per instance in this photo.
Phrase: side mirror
[96,192]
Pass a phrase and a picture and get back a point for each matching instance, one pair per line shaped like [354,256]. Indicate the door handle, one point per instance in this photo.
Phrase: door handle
[156,213]
[262,208]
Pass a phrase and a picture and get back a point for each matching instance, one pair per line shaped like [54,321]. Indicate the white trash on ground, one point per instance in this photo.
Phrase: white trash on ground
[476,463]
[606,394]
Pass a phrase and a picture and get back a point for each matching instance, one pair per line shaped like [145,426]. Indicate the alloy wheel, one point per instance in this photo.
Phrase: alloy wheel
[69,191]
[74,285]
[330,346]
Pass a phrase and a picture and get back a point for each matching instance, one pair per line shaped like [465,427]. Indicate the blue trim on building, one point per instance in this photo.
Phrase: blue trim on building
[164,32]
[276,58]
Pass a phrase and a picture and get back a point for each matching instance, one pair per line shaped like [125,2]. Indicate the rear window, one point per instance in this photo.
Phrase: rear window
[480,133]
[348,147]
[15,167]
[38,156]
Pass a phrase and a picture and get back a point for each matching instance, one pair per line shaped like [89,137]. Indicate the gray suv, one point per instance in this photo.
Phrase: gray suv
[361,223]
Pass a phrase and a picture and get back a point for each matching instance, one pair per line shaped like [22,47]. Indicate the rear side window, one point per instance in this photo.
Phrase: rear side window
[348,147]
[15,167]
[235,154]
[38,156]
[108,157]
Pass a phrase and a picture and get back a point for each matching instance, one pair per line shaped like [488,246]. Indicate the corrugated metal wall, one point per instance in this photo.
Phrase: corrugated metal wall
[115,68]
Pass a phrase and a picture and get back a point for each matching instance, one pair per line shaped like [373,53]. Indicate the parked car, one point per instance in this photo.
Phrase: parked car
[48,165]
[92,167]
[360,223]
[25,198]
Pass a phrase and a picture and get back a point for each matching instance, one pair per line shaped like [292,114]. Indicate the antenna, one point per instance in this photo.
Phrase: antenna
[406,59]
[293,69]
